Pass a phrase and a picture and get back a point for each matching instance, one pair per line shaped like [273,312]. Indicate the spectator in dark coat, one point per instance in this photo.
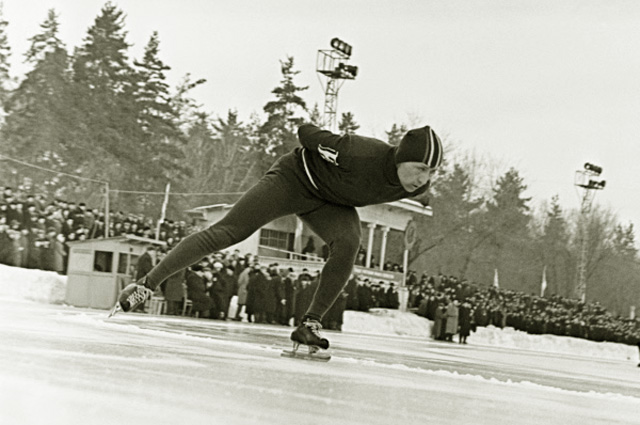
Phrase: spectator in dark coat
[364,295]
[274,294]
[144,266]
[334,318]
[352,292]
[252,292]
[145,263]
[289,297]
[439,323]
[260,293]
[243,282]
[174,292]
[196,286]
[277,300]
[464,319]
[303,296]
[229,284]
[392,299]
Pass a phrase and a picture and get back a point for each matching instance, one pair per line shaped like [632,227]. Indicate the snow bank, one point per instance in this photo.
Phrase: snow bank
[511,338]
[50,287]
[393,322]
[388,322]
[33,285]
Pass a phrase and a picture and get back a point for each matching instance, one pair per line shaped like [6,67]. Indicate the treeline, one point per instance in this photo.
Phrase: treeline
[96,112]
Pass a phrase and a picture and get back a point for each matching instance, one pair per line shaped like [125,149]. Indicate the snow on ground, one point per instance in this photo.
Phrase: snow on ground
[49,287]
[33,285]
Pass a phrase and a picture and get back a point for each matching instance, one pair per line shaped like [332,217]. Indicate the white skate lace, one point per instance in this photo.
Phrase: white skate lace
[138,296]
[314,327]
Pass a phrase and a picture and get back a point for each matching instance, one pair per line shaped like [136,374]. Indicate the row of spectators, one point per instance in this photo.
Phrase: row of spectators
[437,298]
[265,294]
[34,232]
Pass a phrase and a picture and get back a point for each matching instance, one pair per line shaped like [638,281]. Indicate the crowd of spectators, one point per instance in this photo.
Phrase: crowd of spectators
[445,299]
[265,293]
[34,233]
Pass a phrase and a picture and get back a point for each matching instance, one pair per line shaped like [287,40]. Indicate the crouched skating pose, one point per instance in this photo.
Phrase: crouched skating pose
[321,182]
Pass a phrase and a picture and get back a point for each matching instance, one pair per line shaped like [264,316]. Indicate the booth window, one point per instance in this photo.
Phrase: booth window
[122,263]
[102,261]
[277,239]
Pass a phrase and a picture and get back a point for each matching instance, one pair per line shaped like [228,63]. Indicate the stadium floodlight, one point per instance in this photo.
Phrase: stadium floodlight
[347,72]
[587,182]
[593,169]
[341,46]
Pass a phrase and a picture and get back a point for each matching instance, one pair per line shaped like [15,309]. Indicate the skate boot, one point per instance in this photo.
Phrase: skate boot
[131,297]
[308,333]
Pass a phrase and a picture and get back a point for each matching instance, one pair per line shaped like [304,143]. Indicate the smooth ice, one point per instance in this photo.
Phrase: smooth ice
[63,365]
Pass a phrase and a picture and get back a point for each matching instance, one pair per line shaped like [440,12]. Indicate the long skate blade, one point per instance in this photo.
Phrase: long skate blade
[115,310]
[317,356]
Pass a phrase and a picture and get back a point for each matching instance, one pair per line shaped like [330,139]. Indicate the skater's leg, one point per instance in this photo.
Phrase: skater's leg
[339,228]
[272,197]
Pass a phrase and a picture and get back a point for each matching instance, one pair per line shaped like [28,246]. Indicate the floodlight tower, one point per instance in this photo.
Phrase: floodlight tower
[587,181]
[334,67]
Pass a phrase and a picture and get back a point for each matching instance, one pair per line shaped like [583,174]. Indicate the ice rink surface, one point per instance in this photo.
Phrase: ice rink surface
[62,365]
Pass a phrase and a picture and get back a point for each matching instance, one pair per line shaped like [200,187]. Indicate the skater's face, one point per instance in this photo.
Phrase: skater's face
[413,175]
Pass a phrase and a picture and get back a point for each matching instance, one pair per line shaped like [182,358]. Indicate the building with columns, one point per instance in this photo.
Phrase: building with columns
[284,239]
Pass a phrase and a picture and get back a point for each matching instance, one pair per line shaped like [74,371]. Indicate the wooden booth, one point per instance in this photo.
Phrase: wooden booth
[99,268]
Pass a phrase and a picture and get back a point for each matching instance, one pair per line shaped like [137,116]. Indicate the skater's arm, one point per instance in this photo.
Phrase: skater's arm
[311,137]
[331,147]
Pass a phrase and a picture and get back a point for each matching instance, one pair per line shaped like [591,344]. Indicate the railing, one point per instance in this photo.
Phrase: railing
[264,250]
[288,259]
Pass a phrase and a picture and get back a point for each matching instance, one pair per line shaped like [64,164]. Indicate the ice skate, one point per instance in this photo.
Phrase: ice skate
[131,297]
[308,333]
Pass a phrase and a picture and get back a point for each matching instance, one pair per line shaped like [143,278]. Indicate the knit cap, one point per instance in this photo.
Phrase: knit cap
[420,145]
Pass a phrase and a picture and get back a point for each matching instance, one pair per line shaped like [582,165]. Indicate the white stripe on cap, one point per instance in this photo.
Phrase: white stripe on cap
[438,146]
[428,154]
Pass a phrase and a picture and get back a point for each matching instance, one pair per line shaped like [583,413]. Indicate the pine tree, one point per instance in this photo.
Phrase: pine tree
[157,115]
[510,248]
[394,136]
[40,110]
[348,124]
[5,54]
[104,89]
[280,129]
[187,109]
[554,250]
[508,207]
[128,117]
[315,116]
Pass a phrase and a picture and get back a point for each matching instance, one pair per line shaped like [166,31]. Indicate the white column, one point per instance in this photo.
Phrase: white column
[372,227]
[383,246]
[403,292]
[297,236]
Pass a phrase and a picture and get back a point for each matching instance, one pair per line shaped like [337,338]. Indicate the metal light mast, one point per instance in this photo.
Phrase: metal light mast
[587,181]
[333,66]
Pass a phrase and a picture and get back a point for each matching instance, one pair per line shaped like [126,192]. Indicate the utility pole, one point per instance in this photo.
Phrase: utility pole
[587,181]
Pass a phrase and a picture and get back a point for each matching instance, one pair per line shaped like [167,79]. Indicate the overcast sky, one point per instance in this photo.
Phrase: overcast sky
[543,86]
